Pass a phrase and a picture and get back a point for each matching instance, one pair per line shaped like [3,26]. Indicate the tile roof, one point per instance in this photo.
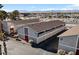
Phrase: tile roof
[42,26]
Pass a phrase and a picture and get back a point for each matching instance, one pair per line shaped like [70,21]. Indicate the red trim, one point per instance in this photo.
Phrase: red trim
[26,38]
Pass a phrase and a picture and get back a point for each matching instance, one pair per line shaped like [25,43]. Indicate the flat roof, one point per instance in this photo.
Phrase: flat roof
[70,32]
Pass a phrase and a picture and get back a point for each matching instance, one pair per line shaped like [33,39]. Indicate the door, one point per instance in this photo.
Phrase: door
[26,34]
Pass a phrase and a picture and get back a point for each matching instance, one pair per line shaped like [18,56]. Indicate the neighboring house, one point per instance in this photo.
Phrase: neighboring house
[9,26]
[69,40]
[40,31]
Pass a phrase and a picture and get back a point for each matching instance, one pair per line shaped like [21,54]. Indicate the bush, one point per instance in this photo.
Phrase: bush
[61,52]
[71,53]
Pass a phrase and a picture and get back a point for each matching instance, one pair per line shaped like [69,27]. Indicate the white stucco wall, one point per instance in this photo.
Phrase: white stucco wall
[32,33]
[49,34]
[21,32]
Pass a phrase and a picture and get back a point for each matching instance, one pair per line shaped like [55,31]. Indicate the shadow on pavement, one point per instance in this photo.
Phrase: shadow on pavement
[50,44]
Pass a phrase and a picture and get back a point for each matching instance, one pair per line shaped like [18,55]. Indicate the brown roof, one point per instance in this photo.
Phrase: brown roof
[72,31]
[42,26]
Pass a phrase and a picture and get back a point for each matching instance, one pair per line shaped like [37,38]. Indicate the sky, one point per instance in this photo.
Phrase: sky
[40,7]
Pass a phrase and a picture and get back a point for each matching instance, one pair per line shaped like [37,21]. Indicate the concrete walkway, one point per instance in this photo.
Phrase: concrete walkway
[18,48]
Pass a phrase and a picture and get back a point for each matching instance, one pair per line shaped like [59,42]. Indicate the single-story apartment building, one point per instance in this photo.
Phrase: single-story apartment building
[40,31]
[11,26]
[69,40]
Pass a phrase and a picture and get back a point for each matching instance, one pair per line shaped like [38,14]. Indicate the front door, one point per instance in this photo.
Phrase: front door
[26,34]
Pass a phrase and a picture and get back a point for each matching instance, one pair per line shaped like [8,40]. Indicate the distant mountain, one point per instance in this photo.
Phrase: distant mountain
[25,11]
[65,10]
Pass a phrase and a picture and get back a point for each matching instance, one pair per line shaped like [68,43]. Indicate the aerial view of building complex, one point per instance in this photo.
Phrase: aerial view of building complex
[39,29]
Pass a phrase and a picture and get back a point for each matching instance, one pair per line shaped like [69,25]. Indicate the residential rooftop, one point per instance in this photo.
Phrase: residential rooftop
[45,26]
[70,32]
[16,22]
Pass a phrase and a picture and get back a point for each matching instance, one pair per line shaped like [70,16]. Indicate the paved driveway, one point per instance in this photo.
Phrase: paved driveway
[18,48]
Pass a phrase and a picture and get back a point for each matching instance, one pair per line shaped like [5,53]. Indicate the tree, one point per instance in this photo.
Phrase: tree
[1,5]
[3,14]
[14,15]
[50,16]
